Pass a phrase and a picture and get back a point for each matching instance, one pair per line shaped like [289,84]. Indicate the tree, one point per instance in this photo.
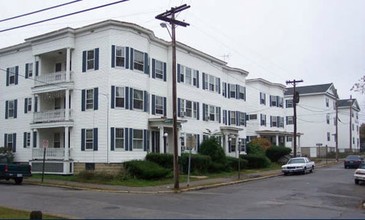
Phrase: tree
[359,86]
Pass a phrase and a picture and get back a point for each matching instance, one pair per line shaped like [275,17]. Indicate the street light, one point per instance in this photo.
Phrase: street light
[165,135]
[239,159]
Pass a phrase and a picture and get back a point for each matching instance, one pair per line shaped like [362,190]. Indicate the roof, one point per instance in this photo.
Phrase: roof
[343,103]
[313,89]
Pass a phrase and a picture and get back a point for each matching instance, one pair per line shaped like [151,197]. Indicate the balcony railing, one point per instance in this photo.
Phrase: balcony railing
[58,115]
[51,153]
[51,78]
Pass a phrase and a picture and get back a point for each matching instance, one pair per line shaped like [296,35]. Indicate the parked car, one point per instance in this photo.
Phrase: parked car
[359,174]
[10,170]
[298,165]
[352,161]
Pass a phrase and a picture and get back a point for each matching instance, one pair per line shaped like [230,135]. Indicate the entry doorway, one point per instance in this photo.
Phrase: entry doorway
[155,142]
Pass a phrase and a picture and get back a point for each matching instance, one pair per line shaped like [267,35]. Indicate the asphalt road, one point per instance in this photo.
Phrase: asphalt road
[327,193]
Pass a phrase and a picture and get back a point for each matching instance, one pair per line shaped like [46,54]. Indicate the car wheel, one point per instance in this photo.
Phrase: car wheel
[18,181]
[304,171]
[312,169]
[356,181]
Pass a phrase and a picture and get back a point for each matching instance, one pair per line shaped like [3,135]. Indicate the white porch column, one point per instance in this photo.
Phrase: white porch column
[162,140]
[237,152]
[68,63]
[67,104]
[67,150]
[277,140]
[226,144]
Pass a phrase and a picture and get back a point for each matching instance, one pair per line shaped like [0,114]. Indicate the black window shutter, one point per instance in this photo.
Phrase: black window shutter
[229,117]
[204,112]
[164,106]
[6,109]
[153,110]
[36,68]
[96,98]
[112,138]
[178,107]
[131,98]
[126,140]
[197,79]
[219,86]
[146,66]
[34,139]
[5,140]
[113,97]
[83,97]
[237,91]
[36,104]
[130,139]
[96,67]
[16,74]
[197,111]
[25,139]
[113,55]
[14,142]
[26,70]
[7,76]
[178,73]
[237,118]
[164,72]
[126,97]
[228,90]
[25,105]
[203,81]
[83,139]
[127,57]
[145,101]
[15,108]
[83,61]
[219,115]
[278,121]
[153,68]
[95,139]
[197,141]
[131,51]
[145,140]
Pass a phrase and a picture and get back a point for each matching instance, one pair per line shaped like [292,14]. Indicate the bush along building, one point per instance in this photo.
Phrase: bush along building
[100,95]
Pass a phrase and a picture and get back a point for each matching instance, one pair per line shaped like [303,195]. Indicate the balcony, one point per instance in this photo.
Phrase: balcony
[52,82]
[51,153]
[52,119]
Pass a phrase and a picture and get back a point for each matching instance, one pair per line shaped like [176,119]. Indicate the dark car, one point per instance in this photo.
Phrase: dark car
[352,161]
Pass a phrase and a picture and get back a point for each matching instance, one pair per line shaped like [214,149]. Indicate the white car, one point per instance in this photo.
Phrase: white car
[359,174]
[298,165]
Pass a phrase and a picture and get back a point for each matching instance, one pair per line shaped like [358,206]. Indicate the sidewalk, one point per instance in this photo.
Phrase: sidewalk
[196,183]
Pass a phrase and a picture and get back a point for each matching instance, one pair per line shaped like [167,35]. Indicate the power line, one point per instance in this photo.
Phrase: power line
[61,16]
[34,12]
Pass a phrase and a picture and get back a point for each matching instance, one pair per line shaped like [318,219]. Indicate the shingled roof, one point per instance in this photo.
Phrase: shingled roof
[309,89]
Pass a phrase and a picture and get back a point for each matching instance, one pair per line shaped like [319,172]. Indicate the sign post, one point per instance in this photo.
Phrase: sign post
[190,144]
[45,145]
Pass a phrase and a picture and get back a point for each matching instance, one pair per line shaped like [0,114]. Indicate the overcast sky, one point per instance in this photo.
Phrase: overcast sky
[317,41]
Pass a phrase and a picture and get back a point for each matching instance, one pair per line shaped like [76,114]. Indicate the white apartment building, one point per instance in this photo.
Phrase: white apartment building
[348,125]
[266,112]
[100,95]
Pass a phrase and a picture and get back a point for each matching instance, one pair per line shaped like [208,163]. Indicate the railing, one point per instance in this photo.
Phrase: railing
[51,116]
[51,78]
[51,153]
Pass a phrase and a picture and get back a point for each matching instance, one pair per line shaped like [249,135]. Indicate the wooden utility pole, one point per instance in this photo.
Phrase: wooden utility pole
[169,16]
[295,101]
[350,122]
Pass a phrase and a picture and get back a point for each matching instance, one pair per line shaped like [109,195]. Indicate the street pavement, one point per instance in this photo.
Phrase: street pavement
[196,183]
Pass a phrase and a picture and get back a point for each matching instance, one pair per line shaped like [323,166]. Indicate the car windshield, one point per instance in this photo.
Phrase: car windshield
[297,160]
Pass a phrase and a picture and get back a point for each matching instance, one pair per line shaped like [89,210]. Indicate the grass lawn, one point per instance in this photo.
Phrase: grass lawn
[8,213]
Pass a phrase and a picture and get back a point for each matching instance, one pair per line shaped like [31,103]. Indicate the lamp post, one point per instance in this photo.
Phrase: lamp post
[239,159]
[165,135]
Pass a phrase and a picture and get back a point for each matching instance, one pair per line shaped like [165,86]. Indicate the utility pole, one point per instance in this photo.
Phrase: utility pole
[350,122]
[336,137]
[295,101]
[169,16]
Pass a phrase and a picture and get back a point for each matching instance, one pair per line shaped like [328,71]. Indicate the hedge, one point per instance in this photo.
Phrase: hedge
[199,163]
[274,153]
[143,169]
[164,160]
[257,161]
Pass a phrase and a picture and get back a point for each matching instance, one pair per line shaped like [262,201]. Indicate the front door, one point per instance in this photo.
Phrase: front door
[155,142]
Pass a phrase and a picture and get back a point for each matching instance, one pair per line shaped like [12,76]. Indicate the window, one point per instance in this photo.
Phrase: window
[159,105]
[274,122]
[11,75]
[232,88]
[119,56]
[211,83]
[232,117]
[232,144]
[263,120]
[138,99]
[327,102]
[90,166]
[58,67]
[11,107]
[182,73]
[119,97]
[26,139]
[188,76]
[90,99]
[280,101]
[90,59]
[273,101]
[10,141]
[289,103]
[289,120]
[262,98]
[57,140]
[119,138]
[281,122]
[242,119]
[289,139]
[195,78]
[328,136]
[89,141]
[211,113]
[159,69]
[328,118]
[27,105]
[241,92]
[28,70]
[189,108]
[253,117]
[137,139]
[138,60]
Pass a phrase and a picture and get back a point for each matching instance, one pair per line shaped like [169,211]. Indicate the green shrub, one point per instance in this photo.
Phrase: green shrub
[257,161]
[143,169]
[211,147]
[164,160]
[232,163]
[253,148]
[217,167]
[274,153]
[92,175]
[199,163]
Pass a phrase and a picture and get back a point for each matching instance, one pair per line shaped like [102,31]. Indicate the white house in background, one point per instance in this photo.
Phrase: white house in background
[100,95]
[348,125]
[316,117]
[265,112]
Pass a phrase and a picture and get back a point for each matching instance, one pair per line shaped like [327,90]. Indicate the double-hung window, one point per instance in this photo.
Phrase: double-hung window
[119,138]
[188,75]
[90,99]
[138,60]
[159,106]
[11,109]
[26,139]
[27,105]
[211,113]
[274,122]
[328,118]
[137,139]
[189,108]
[195,78]
[211,83]
[89,140]
[289,103]
[10,141]
[120,56]
[232,88]
[11,75]
[262,98]
[241,92]
[263,120]
[232,117]
[273,101]
[119,97]
[90,59]
[289,120]
[138,99]
[28,70]
[159,69]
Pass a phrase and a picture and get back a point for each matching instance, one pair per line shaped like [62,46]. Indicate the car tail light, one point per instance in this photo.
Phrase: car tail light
[6,168]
